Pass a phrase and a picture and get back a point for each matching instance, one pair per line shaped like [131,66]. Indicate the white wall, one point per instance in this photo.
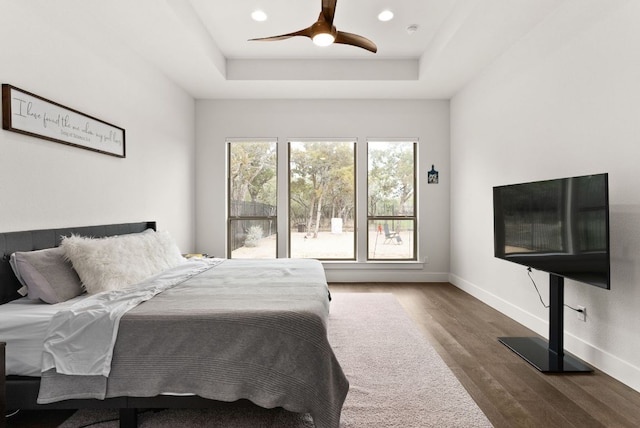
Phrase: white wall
[45,184]
[562,102]
[217,120]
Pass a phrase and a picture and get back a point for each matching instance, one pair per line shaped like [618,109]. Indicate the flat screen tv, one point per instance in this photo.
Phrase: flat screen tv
[561,227]
[558,226]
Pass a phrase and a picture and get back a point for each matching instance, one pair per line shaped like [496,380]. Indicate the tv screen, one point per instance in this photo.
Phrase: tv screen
[558,226]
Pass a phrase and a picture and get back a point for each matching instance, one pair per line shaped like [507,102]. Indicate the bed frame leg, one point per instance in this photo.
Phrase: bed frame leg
[128,418]
[3,394]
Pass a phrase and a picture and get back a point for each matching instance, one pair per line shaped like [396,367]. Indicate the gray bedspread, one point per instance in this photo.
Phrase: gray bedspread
[246,329]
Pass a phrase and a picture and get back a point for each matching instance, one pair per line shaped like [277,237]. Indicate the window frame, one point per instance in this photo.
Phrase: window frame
[354,144]
[230,217]
[381,218]
[361,184]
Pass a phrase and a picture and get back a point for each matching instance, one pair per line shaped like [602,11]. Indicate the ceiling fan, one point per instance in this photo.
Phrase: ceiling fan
[324,33]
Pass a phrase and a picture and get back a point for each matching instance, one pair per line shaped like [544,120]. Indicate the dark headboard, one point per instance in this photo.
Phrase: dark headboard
[30,240]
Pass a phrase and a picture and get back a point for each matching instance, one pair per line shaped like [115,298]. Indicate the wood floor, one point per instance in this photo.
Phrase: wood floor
[511,393]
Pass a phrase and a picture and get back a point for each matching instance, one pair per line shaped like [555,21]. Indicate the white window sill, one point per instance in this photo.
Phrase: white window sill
[372,265]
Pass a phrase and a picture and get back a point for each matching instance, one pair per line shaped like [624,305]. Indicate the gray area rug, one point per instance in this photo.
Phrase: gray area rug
[396,379]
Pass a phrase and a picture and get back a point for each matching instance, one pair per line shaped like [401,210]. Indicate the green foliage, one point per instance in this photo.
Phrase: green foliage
[322,182]
[322,179]
[391,178]
[252,172]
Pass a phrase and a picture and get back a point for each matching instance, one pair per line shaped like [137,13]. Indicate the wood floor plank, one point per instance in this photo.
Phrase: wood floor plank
[544,398]
[609,416]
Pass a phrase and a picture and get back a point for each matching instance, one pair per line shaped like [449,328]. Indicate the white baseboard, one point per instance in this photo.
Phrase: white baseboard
[615,367]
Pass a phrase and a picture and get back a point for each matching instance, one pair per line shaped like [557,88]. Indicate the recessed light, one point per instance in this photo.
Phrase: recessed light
[258,15]
[385,15]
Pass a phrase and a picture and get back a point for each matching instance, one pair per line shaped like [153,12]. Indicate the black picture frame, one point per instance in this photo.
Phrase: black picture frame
[30,114]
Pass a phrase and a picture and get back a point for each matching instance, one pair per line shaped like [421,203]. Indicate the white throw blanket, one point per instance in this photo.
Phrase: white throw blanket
[80,339]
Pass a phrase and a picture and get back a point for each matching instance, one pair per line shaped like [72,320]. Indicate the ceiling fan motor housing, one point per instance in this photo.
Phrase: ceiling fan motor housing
[323,33]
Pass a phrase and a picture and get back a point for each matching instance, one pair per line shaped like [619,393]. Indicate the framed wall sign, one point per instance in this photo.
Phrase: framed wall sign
[30,114]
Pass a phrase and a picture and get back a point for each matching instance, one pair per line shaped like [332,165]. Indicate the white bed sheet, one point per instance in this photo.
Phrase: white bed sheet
[23,325]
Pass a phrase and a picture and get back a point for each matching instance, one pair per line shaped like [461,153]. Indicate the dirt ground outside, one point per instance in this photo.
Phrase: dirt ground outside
[331,246]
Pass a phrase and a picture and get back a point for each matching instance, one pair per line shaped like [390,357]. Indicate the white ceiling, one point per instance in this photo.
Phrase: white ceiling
[203,45]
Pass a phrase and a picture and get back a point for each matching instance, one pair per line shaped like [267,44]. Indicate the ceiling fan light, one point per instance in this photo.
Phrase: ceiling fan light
[323,39]
[385,15]
[258,15]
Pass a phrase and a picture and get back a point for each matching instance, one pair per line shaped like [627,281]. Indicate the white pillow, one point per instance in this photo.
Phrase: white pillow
[116,262]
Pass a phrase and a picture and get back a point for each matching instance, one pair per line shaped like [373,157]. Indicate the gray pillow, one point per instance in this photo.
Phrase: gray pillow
[47,275]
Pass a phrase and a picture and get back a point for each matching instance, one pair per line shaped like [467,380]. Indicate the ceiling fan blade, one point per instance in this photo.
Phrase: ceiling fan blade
[329,10]
[355,40]
[306,32]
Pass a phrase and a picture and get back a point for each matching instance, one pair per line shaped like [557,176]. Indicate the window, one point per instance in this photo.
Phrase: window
[391,200]
[322,199]
[252,199]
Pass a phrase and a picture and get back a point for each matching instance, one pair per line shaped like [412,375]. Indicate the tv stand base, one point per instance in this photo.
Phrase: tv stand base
[536,352]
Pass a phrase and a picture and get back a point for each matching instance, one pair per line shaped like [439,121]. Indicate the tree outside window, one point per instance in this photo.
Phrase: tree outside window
[322,199]
[252,199]
[391,215]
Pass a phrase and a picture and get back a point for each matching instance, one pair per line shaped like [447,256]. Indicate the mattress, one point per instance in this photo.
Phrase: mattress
[23,325]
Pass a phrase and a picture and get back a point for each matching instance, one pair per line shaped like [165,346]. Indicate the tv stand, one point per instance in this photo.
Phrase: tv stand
[549,356]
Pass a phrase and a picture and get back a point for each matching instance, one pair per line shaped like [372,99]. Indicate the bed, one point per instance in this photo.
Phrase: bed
[196,333]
